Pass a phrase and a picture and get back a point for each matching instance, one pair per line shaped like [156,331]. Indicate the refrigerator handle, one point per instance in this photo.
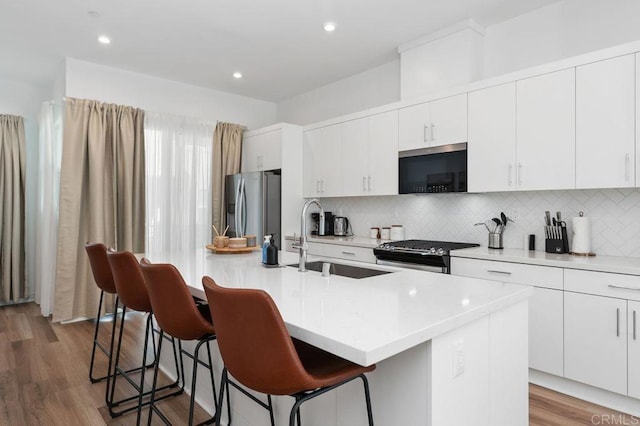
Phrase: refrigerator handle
[244,210]
[237,210]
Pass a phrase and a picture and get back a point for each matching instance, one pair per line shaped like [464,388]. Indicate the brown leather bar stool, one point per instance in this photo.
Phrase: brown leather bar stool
[97,253]
[178,315]
[133,295]
[246,319]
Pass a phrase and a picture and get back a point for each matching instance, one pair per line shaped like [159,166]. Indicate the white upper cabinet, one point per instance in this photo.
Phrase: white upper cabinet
[355,149]
[637,156]
[370,155]
[322,160]
[449,120]
[383,154]
[605,123]
[545,131]
[491,152]
[439,122]
[312,163]
[262,151]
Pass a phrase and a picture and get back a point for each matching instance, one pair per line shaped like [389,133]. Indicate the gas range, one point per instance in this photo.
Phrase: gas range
[419,254]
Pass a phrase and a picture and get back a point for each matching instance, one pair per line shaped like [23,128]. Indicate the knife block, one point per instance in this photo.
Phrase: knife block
[557,245]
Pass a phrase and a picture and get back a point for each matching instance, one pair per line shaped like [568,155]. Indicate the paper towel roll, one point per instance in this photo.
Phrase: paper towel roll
[581,230]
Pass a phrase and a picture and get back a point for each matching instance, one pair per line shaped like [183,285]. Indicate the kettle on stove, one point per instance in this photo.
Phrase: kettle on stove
[340,226]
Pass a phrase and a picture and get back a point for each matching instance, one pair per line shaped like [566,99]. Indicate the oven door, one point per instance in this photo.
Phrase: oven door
[442,270]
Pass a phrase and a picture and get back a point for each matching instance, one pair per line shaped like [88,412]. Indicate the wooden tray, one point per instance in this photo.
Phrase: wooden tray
[228,250]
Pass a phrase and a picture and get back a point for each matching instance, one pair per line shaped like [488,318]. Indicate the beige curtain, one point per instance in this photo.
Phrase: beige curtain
[227,148]
[101,196]
[12,215]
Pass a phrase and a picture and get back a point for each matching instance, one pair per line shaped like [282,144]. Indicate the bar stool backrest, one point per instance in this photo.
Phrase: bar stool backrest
[172,303]
[254,343]
[100,267]
[129,281]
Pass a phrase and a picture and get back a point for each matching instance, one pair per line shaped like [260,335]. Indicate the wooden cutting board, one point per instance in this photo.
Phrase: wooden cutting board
[229,250]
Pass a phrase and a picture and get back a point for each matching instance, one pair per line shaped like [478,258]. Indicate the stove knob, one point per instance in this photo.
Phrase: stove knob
[440,252]
[432,250]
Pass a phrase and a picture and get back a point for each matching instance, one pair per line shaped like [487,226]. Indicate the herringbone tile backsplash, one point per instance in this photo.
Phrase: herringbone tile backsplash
[614,213]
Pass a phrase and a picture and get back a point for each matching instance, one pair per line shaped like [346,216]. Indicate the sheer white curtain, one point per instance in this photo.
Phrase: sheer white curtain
[48,190]
[178,176]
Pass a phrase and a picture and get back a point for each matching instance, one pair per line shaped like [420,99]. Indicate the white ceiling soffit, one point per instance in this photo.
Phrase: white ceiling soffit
[279,46]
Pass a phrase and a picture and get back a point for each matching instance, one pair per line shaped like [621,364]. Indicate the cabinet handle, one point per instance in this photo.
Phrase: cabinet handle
[618,322]
[322,186]
[364,184]
[626,167]
[510,172]
[424,134]
[369,179]
[350,253]
[621,287]
[498,272]
[519,174]
[634,325]
[433,132]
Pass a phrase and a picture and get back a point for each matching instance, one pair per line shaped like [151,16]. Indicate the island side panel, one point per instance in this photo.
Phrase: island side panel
[460,388]
[509,377]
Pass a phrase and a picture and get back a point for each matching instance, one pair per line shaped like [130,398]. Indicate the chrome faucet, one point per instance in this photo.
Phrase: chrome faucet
[303,246]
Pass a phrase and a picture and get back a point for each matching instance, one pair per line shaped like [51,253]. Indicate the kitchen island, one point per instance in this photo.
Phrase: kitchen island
[449,350]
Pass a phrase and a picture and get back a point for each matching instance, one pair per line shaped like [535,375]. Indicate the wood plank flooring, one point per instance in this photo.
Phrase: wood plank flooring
[44,377]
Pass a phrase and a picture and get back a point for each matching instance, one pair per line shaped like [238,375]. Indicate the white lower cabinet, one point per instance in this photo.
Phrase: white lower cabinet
[545,330]
[595,341]
[545,306]
[633,349]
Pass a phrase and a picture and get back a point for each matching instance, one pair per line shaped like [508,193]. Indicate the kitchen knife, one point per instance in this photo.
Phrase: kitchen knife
[547,217]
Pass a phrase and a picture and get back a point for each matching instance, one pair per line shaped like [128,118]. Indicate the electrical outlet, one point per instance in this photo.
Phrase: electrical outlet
[458,358]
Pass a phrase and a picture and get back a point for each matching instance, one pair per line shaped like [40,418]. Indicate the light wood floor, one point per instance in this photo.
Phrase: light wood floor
[44,377]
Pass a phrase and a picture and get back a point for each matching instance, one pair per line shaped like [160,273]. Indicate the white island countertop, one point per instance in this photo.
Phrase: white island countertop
[362,320]
[615,264]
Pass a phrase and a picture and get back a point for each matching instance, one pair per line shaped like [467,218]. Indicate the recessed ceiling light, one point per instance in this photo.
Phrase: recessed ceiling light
[329,26]
[237,75]
[104,39]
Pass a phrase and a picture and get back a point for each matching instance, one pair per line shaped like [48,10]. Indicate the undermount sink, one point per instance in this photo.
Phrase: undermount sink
[343,270]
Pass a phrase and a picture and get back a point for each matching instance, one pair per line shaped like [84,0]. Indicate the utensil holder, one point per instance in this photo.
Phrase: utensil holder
[495,240]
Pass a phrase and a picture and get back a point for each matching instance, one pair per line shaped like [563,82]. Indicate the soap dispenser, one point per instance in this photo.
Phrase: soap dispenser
[265,246]
[272,252]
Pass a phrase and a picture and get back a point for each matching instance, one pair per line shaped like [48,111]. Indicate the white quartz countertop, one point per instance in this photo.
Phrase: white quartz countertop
[362,320]
[619,265]
[353,241]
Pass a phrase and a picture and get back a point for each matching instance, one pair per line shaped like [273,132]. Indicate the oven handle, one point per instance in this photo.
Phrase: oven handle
[408,265]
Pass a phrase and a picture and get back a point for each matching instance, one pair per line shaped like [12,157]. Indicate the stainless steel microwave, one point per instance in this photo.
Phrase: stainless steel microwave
[433,170]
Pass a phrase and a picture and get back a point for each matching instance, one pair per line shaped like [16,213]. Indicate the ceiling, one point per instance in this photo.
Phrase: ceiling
[279,45]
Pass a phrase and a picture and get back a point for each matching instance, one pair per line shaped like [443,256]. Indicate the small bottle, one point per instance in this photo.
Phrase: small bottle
[272,252]
[265,246]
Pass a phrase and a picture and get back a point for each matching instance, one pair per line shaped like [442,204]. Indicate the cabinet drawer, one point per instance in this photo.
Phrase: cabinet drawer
[602,284]
[517,273]
[360,254]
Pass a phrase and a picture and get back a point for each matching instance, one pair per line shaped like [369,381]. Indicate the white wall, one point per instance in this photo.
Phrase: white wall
[558,31]
[87,80]
[371,88]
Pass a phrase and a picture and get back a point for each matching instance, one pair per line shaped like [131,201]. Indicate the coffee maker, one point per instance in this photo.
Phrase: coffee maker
[328,223]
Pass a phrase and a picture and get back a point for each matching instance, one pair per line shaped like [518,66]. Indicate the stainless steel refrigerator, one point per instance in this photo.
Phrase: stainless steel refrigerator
[253,204]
